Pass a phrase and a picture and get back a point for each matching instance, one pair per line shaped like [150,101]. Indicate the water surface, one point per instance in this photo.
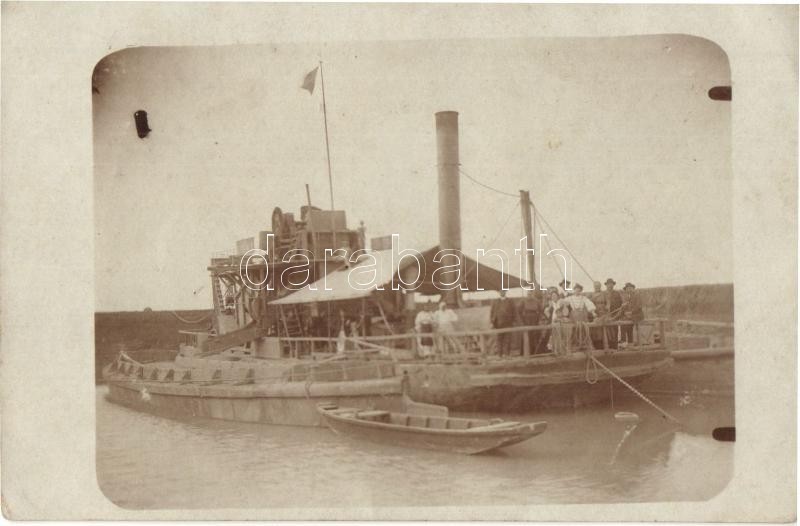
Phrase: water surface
[149,461]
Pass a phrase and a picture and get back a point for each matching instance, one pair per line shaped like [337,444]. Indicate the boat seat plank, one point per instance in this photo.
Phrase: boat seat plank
[399,419]
[437,422]
[342,410]
[373,415]
[499,425]
[459,423]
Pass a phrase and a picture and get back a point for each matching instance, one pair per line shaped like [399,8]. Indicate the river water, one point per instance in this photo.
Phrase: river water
[152,462]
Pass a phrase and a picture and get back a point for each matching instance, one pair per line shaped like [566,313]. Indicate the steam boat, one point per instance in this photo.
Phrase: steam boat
[288,332]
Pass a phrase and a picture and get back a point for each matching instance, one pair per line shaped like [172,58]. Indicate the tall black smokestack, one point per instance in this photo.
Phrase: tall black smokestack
[449,192]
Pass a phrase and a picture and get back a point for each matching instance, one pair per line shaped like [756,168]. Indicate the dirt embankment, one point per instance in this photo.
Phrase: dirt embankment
[690,302]
[144,334]
[152,334]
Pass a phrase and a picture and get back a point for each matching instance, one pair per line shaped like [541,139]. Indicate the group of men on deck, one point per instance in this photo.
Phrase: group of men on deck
[564,304]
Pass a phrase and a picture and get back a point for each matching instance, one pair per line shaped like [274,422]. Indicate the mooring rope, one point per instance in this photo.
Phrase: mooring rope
[584,339]
[583,335]
[591,381]
[633,389]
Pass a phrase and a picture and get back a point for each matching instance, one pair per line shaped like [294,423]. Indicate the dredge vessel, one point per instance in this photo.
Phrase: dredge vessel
[273,352]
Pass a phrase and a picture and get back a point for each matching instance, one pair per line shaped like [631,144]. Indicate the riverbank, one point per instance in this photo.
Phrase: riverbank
[147,335]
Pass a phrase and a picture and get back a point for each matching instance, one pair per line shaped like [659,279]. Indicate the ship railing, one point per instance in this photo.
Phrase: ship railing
[477,345]
[329,370]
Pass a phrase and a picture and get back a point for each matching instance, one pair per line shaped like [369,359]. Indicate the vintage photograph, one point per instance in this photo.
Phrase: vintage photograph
[422,273]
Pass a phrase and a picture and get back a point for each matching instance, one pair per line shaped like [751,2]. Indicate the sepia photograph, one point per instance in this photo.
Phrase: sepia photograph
[407,262]
[352,264]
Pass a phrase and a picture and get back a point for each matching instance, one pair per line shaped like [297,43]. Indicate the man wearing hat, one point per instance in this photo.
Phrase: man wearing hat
[562,288]
[631,311]
[549,317]
[503,314]
[530,312]
[614,306]
[599,300]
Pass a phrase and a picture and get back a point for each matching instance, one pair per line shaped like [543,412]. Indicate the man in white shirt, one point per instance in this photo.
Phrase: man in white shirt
[580,308]
[445,319]
[423,324]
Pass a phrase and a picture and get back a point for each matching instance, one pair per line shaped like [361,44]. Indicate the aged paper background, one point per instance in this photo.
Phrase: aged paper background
[48,53]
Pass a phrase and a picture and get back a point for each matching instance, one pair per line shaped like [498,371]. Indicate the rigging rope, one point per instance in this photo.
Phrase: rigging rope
[550,247]
[184,320]
[462,172]
[499,232]
[552,231]
[536,214]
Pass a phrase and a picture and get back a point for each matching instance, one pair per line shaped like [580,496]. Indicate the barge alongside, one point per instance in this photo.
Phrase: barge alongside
[285,394]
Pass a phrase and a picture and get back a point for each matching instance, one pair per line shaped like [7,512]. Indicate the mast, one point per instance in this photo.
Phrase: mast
[327,143]
[315,236]
[328,152]
[525,207]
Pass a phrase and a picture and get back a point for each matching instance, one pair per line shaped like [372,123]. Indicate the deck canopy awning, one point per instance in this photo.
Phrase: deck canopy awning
[375,273]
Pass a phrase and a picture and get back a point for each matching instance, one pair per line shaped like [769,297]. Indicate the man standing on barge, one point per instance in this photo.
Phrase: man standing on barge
[502,316]
[581,309]
[632,312]
[598,297]
[531,314]
[614,306]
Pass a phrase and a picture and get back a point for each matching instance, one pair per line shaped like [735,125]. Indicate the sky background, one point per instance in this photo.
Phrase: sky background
[622,150]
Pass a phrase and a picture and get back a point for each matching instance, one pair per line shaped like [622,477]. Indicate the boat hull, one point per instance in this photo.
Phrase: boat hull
[453,441]
[524,384]
[290,403]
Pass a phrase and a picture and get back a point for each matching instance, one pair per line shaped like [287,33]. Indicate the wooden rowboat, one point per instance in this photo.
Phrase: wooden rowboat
[459,435]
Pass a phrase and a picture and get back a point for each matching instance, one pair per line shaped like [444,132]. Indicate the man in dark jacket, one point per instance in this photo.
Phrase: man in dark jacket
[631,311]
[531,314]
[598,297]
[503,315]
[614,306]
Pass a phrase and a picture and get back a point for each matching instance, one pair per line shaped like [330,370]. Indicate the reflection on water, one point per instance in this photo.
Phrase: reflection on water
[147,461]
